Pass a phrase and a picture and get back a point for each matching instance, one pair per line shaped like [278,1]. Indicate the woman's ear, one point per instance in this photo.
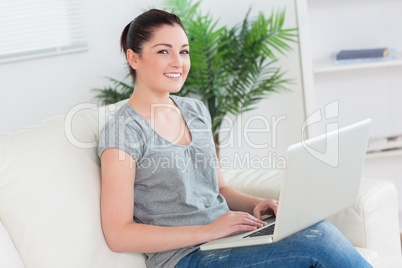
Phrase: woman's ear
[132,58]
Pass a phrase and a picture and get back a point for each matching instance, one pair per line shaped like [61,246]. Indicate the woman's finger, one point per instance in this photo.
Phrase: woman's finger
[264,207]
[243,218]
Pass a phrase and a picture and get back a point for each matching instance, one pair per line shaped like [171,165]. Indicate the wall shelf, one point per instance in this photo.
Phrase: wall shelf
[382,154]
[362,89]
[328,65]
[359,90]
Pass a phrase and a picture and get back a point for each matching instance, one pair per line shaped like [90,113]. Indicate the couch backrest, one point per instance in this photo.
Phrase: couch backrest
[50,193]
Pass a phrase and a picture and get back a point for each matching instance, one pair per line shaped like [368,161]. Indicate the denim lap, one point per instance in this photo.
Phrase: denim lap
[321,245]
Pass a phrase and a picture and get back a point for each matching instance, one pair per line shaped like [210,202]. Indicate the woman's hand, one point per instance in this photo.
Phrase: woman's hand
[231,222]
[265,207]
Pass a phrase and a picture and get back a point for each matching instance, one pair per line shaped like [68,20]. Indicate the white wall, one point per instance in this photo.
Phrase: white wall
[34,90]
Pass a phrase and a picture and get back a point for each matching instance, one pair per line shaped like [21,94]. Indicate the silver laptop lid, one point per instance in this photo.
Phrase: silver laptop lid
[328,167]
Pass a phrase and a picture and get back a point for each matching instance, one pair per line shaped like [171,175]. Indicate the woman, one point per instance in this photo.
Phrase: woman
[159,168]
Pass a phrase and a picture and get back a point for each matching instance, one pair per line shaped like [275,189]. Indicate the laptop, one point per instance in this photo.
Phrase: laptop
[322,178]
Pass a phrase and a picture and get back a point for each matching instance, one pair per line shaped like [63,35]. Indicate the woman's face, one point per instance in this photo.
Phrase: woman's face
[164,62]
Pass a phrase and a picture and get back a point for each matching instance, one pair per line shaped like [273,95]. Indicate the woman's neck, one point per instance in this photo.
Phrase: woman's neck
[144,101]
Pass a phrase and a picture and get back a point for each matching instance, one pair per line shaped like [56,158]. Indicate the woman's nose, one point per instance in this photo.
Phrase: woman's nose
[177,61]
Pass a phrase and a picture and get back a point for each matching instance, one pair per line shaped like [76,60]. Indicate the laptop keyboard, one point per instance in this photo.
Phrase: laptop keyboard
[265,231]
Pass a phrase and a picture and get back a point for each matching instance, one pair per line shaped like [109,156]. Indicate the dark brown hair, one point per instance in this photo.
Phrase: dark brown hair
[141,29]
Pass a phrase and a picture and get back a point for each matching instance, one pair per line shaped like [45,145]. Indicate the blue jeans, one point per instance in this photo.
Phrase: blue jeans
[321,245]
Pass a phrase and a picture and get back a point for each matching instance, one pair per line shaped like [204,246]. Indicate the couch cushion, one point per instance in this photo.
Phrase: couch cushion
[262,183]
[9,256]
[369,255]
[50,191]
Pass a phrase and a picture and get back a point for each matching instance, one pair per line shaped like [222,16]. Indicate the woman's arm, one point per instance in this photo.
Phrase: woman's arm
[238,201]
[117,206]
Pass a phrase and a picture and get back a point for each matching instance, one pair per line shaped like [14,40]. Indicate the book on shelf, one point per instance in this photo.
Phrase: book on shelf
[361,56]
[362,53]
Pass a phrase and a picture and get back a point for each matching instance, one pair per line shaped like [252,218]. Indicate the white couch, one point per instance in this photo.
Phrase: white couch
[49,200]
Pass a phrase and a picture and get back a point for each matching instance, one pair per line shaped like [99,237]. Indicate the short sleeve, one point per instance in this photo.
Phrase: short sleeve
[124,134]
[205,113]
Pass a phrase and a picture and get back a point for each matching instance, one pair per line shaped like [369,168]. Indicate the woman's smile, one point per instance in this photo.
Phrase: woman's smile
[173,76]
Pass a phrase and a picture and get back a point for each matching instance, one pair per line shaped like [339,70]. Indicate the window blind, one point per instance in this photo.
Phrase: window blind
[37,28]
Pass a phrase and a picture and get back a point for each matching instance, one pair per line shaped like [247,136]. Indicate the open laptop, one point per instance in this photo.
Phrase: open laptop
[322,178]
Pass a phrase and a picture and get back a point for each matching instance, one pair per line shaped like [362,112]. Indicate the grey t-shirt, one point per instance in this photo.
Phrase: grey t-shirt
[175,185]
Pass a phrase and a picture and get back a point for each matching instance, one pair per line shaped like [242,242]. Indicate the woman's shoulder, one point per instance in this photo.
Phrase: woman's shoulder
[125,116]
[124,111]
[124,125]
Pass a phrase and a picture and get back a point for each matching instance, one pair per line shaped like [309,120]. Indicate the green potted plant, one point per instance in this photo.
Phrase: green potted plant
[231,68]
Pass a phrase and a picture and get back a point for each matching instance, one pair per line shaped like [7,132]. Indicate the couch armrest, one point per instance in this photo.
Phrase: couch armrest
[372,223]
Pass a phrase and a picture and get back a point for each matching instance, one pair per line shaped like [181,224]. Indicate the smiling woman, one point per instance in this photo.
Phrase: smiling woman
[159,167]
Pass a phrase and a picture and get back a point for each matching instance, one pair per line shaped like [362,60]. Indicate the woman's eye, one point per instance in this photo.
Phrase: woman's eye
[163,52]
[185,52]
